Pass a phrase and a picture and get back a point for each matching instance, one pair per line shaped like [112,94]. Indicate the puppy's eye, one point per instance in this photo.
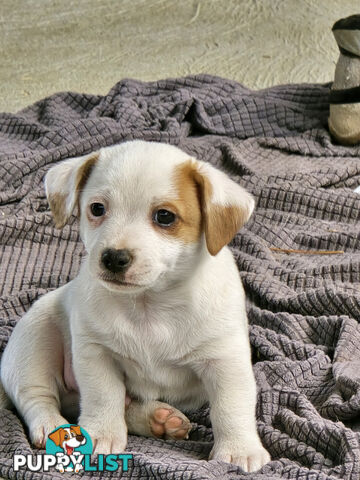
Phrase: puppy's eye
[164,218]
[66,436]
[97,209]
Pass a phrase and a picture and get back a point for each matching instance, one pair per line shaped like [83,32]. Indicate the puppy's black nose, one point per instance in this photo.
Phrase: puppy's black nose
[80,438]
[116,260]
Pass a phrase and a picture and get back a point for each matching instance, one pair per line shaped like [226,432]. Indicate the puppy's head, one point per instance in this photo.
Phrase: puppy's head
[148,212]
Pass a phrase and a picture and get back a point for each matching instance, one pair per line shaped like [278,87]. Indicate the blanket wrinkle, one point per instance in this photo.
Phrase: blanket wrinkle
[303,309]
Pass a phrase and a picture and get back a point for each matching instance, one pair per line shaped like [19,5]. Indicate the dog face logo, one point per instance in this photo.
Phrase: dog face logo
[69,444]
[68,438]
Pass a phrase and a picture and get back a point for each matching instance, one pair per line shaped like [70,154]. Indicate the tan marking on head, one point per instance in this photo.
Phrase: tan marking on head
[186,206]
[57,203]
[83,175]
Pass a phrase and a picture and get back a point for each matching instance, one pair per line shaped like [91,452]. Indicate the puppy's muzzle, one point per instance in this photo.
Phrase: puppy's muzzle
[116,261]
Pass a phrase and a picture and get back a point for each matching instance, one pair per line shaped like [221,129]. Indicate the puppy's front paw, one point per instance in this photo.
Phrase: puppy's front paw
[250,457]
[108,440]
[40,428]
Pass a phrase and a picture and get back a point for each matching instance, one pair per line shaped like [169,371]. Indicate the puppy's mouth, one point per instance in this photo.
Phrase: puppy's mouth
[119,282]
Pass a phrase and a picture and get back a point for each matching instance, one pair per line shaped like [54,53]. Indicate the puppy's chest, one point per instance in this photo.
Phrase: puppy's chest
[152,336]
[154,348]
[157,367]
[154,359]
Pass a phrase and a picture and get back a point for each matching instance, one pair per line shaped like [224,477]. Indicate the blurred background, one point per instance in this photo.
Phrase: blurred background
[48,46]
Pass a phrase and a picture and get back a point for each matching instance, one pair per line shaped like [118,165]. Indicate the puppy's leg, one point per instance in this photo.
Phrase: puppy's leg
[231,387]
[156,419]
[31,368]
[102,394]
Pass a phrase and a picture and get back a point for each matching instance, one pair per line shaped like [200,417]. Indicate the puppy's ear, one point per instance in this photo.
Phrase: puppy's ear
[225,205]
[63,183]
[55,436]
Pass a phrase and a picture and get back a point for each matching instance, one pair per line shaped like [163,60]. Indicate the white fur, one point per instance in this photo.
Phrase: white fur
[179,336]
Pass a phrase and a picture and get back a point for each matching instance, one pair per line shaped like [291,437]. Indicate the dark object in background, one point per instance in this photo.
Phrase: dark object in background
[344,120]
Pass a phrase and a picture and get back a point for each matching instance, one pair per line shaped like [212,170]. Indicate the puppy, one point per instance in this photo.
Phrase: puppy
[157,310]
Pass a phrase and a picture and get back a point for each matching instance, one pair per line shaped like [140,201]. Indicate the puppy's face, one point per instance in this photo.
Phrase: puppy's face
[140,218]
[148,212]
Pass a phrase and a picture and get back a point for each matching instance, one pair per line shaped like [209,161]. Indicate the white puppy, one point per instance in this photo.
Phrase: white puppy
[157,310]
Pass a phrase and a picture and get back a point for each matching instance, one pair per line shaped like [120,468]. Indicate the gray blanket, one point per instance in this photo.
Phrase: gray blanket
[303,307]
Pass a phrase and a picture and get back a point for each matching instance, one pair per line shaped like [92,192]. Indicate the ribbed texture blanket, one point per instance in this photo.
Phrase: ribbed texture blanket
[303,307]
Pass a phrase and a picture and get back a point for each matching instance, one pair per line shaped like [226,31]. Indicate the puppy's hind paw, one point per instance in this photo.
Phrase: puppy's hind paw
[169,423]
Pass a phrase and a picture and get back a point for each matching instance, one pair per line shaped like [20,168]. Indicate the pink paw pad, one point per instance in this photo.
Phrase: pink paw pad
[169,423]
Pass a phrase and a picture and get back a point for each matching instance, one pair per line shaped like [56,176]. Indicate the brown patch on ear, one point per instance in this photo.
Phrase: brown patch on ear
[56,436]
[57,203]
[186,206]
[220,223]
[84,172]
[83,175]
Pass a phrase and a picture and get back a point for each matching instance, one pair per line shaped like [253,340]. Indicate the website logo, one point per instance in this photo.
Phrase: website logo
[69,449]
[69,444]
